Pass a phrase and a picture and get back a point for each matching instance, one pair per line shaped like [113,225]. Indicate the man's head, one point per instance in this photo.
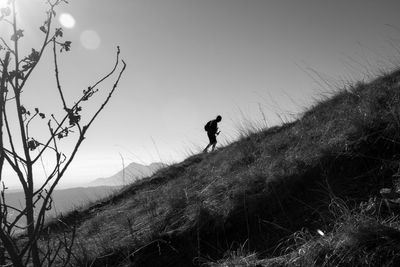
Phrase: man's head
[219,118]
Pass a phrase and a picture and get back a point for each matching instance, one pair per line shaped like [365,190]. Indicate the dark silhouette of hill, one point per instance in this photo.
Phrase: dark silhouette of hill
[254,199]
[129,174]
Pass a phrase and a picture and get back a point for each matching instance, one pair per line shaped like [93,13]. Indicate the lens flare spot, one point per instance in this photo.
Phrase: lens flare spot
[3,3]
[90,39]
[67,20]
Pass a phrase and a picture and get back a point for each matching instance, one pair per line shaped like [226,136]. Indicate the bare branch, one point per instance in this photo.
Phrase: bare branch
[3,90]
[17,171]
[44,45]
[6,45]
[80,100]
[110,94]
[11,207]
[82,137]
[10,139]
[57,75]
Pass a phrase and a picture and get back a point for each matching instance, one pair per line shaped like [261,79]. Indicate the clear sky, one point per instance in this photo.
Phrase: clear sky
[190,60]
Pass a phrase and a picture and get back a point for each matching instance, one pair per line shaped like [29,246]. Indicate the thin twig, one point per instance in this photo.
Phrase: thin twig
[57,76]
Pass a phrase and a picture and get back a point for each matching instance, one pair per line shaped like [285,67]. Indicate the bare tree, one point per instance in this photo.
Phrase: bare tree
[22,152]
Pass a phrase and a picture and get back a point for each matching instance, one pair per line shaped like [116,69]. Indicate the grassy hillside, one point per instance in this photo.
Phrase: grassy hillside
[260,200]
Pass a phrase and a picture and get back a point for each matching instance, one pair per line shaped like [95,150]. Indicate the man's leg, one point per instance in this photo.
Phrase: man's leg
[213,146]
[211,138]
[205,149]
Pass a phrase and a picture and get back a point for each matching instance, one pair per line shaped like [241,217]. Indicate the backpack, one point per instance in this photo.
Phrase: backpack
[207,126]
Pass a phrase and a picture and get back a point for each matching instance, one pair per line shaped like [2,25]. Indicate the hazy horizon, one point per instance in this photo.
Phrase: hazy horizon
[189,61]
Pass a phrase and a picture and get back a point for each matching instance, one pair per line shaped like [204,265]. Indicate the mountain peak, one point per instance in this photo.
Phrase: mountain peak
[132,172]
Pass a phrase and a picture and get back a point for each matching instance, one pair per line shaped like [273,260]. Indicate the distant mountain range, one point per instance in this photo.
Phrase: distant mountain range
[71,198]
[64,200]
[68,199]
[129,174]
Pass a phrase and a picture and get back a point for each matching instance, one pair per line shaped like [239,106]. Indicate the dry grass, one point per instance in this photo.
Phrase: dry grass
[257,191]
[356,238]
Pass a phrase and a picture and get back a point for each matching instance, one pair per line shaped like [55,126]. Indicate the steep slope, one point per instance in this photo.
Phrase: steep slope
[252,193]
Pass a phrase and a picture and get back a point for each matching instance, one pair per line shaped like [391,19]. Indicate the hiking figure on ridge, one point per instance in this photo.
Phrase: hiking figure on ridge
[212,131]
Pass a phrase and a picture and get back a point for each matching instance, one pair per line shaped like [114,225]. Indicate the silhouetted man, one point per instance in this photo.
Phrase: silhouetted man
[212,131]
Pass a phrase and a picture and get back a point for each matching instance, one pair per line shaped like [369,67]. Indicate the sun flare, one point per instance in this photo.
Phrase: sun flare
[90,39]
[67,20]
[3,3]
